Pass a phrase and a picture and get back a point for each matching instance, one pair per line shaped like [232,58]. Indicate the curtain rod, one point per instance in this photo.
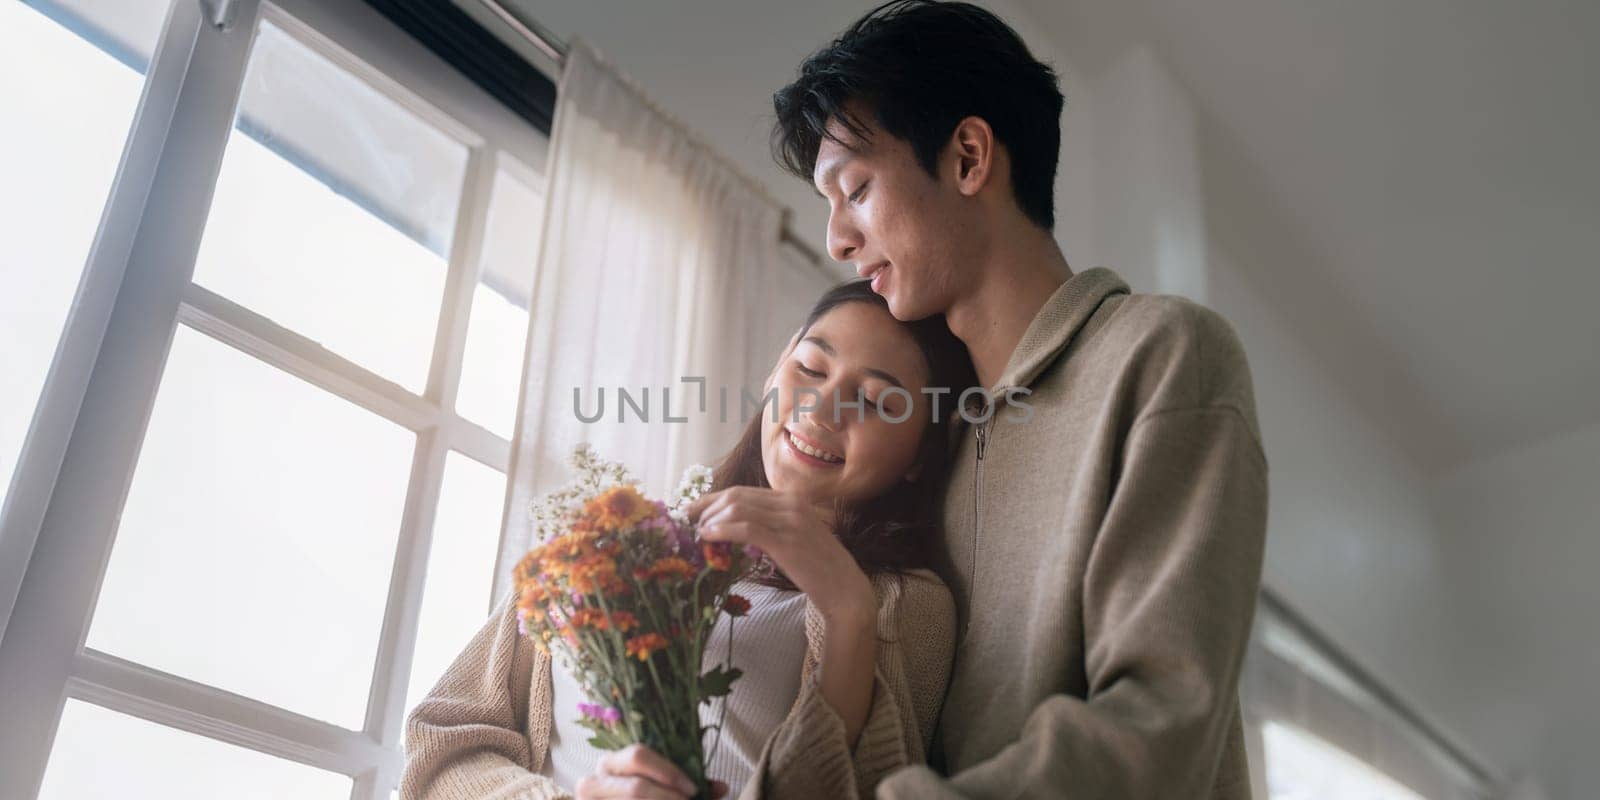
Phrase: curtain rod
[556,50]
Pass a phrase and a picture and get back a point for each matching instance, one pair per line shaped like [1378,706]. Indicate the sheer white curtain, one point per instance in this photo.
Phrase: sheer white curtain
[659,262]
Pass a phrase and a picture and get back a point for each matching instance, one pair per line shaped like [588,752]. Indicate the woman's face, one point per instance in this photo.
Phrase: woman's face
[856,351]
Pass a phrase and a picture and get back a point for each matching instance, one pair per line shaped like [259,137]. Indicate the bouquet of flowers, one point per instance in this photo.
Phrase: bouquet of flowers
[625,595]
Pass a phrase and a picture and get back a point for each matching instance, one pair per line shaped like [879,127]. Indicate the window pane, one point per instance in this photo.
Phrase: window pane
[102,753]
[498,328]
[466,540]
[334,211]
[258,537]
[1303,767]
[66,105]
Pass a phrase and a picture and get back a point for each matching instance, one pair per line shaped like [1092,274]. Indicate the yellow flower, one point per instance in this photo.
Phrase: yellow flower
[619,508]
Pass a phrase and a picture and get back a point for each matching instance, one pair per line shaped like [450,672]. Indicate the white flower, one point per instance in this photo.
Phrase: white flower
[696,481]
[556,512]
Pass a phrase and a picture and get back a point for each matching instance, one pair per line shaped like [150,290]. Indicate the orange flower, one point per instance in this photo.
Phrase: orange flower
[718,555]
[642,646]
[670,566]
[576,544]
[619,508]
[595,573]
[528,567]
[736,605]
[533,596]
[597,619]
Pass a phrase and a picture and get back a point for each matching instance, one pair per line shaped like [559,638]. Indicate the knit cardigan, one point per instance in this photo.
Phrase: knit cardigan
[484,729]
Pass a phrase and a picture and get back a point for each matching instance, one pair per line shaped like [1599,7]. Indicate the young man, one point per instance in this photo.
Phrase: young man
[1104,544]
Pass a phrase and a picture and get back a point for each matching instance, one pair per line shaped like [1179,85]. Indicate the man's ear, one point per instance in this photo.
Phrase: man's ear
[972,149]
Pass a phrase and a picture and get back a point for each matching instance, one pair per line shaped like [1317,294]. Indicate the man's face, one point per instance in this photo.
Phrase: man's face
[905,229]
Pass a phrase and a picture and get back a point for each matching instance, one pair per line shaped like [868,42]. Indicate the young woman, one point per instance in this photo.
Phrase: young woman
[848,644]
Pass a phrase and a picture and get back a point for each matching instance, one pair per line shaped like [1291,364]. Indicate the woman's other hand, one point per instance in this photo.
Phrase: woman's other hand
[638,773]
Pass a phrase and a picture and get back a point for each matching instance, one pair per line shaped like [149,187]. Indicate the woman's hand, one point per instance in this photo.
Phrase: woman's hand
[798,536]
[638,773]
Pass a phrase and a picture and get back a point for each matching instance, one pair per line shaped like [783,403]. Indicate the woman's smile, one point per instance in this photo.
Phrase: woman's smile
[808,452]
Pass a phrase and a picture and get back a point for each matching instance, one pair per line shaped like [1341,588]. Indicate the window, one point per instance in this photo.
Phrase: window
[334,213]
[465,538]
[1303,767]
[279,510]
[264,512]
[70,77]
[92,759]
[1319,725]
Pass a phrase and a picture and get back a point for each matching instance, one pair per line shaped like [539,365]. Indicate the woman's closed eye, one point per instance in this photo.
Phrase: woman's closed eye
[806,371]
[855,196]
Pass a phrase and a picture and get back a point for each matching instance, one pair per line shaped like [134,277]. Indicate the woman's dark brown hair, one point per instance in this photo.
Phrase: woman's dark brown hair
[897,531]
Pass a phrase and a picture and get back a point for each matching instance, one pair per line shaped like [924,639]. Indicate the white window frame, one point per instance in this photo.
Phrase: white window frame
[59,522]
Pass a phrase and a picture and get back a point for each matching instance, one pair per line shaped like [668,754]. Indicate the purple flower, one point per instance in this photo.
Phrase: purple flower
[599,712]
[685,546]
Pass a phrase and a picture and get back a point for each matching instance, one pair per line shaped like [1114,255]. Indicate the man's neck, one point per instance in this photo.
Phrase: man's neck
[1014,283]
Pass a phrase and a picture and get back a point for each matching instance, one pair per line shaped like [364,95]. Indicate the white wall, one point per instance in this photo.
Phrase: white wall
[1529,525]
[1353,540]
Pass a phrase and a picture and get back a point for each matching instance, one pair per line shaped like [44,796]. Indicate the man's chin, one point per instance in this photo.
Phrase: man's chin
[905,310]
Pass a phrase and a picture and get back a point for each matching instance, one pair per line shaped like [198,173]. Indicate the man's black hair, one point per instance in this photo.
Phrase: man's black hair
[920,67]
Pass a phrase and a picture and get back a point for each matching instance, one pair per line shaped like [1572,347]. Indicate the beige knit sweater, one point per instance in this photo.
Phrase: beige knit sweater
[484,729]
[1105,557]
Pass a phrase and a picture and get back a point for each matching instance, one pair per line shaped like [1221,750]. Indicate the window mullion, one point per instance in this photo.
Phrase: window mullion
[479,443]
[386,703]
[466,261]
[62,394]
[53,609]
[238,326]
[176,702]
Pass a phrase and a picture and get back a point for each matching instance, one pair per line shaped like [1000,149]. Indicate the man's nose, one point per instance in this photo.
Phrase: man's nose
[844,239]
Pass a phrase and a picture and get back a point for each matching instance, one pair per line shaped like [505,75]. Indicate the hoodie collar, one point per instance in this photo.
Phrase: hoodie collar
[1054,327]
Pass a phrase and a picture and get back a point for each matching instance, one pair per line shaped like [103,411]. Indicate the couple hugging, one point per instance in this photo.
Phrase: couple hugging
[969,602]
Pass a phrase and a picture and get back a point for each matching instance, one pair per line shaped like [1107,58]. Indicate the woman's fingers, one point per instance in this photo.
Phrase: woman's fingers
[613,787]
[698,505]
[736,497]
[636,760]
[735,532]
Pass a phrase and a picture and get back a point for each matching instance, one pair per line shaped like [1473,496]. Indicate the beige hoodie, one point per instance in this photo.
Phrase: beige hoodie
[1105,557]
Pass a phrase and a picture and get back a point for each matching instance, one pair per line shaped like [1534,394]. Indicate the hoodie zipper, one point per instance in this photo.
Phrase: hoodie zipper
[982,432]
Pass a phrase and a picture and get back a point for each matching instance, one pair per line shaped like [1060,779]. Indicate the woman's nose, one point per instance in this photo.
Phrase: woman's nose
[826,413]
